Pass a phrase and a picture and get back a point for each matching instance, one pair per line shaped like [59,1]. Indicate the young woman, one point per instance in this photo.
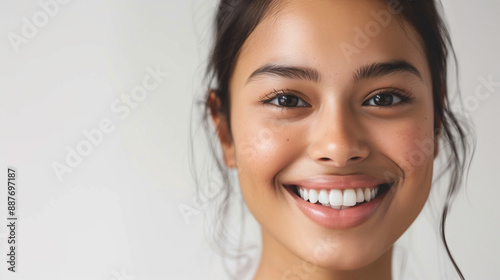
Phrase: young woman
[332,113]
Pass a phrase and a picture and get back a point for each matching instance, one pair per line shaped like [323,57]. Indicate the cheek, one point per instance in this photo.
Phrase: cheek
[411,147]
[417,154]
[263,147]
[409,144]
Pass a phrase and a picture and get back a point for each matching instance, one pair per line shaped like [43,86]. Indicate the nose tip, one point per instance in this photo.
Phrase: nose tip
[338,152]
[337,139]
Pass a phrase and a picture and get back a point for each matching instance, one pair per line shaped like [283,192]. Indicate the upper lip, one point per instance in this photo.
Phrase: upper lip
[338,182]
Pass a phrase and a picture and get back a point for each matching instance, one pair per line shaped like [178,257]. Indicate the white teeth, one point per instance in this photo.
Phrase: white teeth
[368,194]
[360,197]
[313,196]
[349,197]
[323,197]
[336,197]
[339,199]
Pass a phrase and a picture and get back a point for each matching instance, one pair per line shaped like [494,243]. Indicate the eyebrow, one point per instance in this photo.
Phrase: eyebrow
[376,70]
[292,72]
[370,71]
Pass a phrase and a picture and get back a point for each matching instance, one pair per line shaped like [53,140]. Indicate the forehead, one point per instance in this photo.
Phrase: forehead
[332,36]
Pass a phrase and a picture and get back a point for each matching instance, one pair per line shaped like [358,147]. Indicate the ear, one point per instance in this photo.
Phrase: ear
[221,127]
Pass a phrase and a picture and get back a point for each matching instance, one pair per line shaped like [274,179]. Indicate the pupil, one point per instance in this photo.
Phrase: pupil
[288,100]
[383,99]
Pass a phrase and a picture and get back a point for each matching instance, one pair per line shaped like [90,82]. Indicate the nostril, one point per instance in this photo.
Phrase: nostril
[351,159]
[337,155]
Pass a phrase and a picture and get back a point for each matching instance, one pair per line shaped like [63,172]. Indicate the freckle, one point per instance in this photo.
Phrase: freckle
[287,139]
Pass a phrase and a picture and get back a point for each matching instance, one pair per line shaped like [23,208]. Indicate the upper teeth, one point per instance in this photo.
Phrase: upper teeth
[338,199]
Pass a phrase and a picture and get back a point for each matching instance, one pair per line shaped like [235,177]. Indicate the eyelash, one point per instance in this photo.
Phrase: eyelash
[403,95]
[269,97]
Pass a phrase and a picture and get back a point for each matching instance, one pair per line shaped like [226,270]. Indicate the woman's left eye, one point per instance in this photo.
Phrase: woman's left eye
[384,99]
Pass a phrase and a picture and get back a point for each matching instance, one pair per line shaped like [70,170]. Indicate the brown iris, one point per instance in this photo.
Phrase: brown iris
[383,99]
[288,100]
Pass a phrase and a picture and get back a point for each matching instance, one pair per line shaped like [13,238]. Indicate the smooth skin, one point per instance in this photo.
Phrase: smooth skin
[287,127]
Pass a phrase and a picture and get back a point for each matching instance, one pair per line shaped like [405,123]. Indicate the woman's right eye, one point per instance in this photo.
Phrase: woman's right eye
[284,99]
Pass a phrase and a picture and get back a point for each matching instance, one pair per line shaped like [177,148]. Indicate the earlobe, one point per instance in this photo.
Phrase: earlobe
[219,120]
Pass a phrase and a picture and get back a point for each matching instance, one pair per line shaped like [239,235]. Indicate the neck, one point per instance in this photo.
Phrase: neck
[277,262]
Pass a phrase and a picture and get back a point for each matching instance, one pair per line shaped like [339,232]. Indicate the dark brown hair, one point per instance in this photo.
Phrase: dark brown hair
[236,19]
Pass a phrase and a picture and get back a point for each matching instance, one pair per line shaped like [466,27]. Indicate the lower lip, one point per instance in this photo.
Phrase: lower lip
[338,219]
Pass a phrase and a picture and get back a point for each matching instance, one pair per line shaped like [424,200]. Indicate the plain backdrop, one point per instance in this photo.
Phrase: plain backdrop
[117,212]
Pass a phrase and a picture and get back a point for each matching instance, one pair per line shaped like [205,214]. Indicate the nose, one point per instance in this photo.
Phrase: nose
[337,139]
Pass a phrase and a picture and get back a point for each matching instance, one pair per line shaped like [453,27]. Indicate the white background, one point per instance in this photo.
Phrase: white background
[117,214]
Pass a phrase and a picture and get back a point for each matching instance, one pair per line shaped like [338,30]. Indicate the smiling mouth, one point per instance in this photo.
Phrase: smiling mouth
[340,198]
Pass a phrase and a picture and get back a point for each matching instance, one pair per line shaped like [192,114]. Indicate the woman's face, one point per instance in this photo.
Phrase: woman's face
[332,99]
